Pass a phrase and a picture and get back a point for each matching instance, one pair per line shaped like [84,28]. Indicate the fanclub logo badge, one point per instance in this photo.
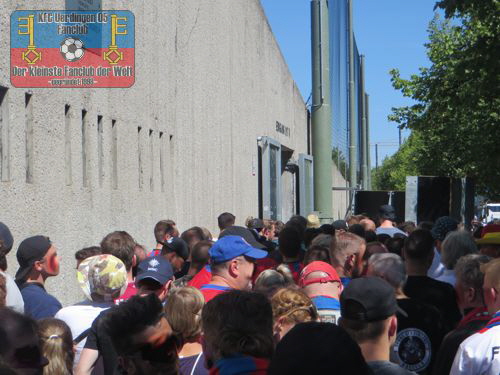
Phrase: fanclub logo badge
[72,49]
[413,349]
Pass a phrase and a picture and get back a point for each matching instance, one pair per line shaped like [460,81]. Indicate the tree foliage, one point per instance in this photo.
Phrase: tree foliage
[455,119]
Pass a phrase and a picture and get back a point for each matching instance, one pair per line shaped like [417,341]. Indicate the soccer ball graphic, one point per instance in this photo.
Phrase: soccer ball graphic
[72,49]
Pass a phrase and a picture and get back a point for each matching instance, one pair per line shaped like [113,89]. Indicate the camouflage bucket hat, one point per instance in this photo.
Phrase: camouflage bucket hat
[102,278]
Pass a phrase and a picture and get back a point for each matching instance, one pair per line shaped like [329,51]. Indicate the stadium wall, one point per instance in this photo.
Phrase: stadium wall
[181,143]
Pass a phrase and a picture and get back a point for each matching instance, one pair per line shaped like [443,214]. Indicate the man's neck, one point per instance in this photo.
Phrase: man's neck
[222,281]
[37,279]
[386,224]
[375,350]
[159,246]
[416,269]
[130,276]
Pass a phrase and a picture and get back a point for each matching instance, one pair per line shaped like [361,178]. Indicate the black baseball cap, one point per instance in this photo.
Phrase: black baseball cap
[387,212]
[29,251]
[156,268]
[368,299]
[6,237]
[176,245]
[244,233]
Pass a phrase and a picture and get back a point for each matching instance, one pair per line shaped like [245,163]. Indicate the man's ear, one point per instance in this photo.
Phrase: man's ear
[134,260]
[168,285]
[38,266]
[233,267]
[393,326]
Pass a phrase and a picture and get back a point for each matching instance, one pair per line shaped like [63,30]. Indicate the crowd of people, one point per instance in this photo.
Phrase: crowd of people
[360,296]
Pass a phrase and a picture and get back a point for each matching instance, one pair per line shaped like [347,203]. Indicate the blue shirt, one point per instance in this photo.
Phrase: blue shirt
[37,302]
[326,303]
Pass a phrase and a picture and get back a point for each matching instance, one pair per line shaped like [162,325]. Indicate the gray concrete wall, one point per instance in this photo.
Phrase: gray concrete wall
[209,76]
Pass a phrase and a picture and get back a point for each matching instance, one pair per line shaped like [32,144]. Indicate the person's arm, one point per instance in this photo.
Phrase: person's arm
[90,354]
[87,362]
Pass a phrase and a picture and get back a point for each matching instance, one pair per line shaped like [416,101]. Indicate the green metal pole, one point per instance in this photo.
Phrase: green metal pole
[364,160]
[353,131]
[368,156]
[321,115]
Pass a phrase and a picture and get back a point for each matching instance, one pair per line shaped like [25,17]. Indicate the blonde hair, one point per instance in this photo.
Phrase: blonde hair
[294,305]
[57,346]
[183,312]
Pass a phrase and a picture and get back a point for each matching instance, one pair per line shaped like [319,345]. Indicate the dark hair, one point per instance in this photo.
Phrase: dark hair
[318,348]
[193,235]
[362,331]
[427,225]
[238,323]
[149,284]
[136,314]
[162,228]
[383,237]
[419,245]
[357,229]
[278,227]
[407,227]
[290,242]
[327,229]
[3,256]
[374,248]
[317,253]
[199,254]
[3,290]
[14,326]
[370,236]
[309,235]
[121,245]
[87,252]
[299,223]
[225,220]
[395,245]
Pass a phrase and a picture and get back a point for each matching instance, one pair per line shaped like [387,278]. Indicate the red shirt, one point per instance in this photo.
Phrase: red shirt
[201,278]
[129,292]
[211,291]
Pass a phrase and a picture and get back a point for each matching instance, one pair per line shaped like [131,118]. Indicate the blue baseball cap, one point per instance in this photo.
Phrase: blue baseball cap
[156,268]
[230,247]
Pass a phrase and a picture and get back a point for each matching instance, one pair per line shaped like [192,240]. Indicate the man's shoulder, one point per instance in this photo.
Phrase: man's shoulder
[37,291]
[485,336]
[387,368]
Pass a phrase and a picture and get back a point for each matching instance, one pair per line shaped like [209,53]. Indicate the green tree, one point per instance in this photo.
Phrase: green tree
[456,115]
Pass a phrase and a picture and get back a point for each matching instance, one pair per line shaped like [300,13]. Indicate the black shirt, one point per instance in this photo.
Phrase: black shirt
[438,294]
[419,336]
[452,341]
[99,340]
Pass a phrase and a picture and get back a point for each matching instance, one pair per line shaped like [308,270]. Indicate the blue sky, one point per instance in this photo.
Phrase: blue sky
[390,33]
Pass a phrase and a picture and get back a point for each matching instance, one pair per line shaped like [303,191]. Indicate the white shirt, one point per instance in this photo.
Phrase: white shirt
[79,317]
[480,353]
[448,276]
[14,298]
[437,268]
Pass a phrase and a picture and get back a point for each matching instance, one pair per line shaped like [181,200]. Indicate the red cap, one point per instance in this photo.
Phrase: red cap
[318,267]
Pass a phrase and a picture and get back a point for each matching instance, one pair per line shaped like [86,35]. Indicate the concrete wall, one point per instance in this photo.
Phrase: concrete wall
[209,77]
